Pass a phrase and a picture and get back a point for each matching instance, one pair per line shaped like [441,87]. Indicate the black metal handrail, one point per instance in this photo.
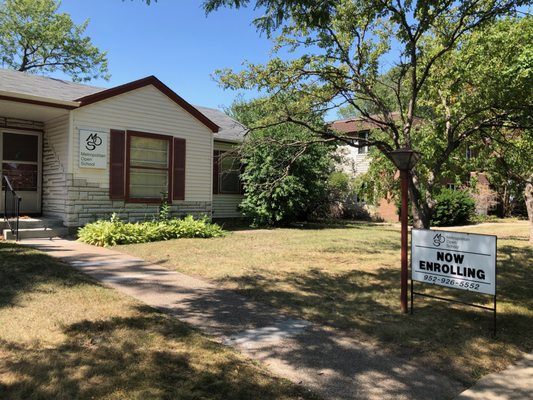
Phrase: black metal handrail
[11,208]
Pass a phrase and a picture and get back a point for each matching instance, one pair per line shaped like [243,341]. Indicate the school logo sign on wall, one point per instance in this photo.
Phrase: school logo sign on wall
[460,260]
[93,149]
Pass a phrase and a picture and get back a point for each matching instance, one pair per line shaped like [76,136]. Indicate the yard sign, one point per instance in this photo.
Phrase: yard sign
[465,261]
[459,260]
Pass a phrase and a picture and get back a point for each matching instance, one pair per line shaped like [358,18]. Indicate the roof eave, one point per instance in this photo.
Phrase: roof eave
[234,141]
[149,80]
[38,100]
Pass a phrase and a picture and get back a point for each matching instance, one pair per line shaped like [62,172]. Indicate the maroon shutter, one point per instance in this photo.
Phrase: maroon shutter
[216,170]
[117,164]
[178,155]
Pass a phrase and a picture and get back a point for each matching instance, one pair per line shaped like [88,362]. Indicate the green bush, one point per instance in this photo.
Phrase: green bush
[342,200]
[283,182]
[454,207]
[286,168]
[114,231]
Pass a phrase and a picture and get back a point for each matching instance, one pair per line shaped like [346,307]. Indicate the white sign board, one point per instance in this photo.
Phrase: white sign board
[93,149]
[459,260]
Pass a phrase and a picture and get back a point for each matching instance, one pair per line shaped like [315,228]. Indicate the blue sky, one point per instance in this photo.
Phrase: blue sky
[173,40]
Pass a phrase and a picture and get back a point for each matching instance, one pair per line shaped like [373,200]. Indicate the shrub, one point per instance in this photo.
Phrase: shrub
[114,231]
[286,168]
[342,200]
[283,182]
[453,207]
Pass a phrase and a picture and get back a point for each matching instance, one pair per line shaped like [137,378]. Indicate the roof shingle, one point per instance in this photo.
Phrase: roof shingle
[36,85]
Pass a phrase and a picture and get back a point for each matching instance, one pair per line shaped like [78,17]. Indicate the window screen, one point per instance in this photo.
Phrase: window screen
[149,159]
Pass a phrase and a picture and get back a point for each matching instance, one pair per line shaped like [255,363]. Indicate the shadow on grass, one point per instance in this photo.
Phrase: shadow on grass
[147,356]
[240,225]
[24,270]
[341,225]
[379,246]
[439,334]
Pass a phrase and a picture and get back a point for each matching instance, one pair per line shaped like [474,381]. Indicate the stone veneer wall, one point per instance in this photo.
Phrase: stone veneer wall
[88,201]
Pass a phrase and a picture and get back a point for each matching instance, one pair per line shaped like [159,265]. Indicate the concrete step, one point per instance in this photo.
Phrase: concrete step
[41,233]
[29,223]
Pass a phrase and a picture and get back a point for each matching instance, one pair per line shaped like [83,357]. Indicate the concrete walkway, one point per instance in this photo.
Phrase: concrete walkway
[514,383]
[325,360]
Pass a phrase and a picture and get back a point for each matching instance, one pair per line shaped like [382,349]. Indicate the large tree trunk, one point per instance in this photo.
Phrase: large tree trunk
[528,194]
[420,207]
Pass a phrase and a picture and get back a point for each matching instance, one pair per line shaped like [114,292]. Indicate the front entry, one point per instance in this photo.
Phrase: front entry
[21,163]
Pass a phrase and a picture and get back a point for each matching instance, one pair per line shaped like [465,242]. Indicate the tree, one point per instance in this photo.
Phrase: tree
[35,37]
[510,158]
[285,175]
[482,91]
[390,56]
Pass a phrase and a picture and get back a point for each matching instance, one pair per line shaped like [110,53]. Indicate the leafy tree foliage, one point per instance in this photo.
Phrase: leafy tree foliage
[35,37]
[440,60]
[509,163]
[285,175]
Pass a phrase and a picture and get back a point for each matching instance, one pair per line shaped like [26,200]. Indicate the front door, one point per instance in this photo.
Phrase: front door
[21,163]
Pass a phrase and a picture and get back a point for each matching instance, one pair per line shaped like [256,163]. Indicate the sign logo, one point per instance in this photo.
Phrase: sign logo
[93,141]
[93,149]
[438,239]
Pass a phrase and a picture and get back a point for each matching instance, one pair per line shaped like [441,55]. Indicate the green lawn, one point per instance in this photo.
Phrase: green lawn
[347,276]
[62,336]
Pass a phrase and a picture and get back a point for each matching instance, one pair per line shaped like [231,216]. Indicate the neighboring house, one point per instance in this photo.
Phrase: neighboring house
[78,152]
[356,161]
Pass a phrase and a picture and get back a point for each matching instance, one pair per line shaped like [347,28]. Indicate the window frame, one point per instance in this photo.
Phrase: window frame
[37,163]
[169,169]
[219,157]
[364,134]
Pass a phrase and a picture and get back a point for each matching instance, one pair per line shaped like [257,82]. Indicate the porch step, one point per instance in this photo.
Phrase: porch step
[29,223]
[32,233]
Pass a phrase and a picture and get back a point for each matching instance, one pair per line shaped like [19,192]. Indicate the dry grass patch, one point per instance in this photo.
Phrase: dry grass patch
[347,276]
[63,336]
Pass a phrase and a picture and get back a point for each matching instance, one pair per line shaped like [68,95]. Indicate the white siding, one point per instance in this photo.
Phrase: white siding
[55,160]
[148,110]
[225,205]
[351,162]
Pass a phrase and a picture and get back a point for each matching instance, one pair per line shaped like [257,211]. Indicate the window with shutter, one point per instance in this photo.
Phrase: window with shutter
[148,166]
[143,166]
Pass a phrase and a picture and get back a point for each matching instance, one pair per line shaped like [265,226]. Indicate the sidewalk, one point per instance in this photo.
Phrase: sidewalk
[325,360]
[514,383]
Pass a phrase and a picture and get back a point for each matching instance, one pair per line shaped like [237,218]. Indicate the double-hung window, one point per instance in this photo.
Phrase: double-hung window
[226,173]
[149,166]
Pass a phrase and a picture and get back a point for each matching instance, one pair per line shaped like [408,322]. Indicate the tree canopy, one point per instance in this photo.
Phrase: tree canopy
[34,37]
[429,59]
[286,173]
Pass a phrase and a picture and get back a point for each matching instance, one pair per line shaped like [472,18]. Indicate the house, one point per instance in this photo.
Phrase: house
[76,153]
[356,161]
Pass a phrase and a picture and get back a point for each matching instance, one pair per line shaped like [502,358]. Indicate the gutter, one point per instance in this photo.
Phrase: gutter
[38,100]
